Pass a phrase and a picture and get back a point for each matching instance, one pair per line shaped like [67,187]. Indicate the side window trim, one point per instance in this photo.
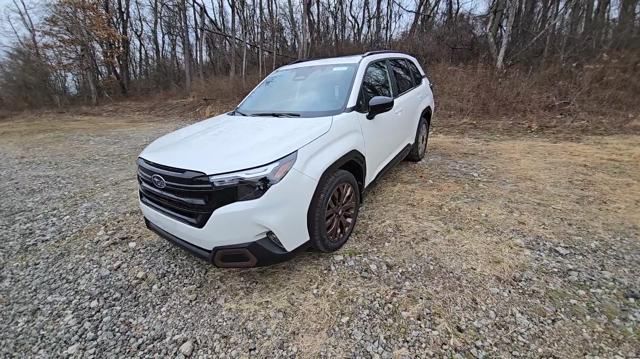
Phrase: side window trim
[392,78]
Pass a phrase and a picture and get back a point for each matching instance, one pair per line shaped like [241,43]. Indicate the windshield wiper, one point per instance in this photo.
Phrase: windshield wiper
[276,114]
[239,113]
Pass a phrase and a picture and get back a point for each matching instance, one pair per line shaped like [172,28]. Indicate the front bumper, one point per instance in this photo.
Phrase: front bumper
[244,225]
[262,252]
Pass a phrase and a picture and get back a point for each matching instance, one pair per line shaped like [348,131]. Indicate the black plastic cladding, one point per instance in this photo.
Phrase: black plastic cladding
[264,250]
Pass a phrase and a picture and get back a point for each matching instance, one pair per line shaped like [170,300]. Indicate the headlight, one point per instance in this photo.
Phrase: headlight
[252,183]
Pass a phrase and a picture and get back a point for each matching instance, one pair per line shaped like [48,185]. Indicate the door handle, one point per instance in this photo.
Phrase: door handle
[398,112]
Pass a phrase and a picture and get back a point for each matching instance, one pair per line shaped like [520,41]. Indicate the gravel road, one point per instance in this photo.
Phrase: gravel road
[491,247]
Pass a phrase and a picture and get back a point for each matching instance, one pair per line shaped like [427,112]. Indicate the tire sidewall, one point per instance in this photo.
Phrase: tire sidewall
[416,154]
[317,227]
[422,151]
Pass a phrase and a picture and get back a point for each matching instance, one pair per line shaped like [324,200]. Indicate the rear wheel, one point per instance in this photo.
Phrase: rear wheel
[333,211]
[419,148]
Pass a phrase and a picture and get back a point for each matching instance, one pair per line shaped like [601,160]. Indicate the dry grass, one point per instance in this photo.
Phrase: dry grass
[605,85]
[599,98]
[463,220]
[477,214]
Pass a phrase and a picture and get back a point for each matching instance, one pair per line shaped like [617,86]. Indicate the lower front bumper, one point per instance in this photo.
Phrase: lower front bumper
[253,254]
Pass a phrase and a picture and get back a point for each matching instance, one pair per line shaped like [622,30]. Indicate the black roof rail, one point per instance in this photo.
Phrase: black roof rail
[298,61]
[368,53]
[376,52]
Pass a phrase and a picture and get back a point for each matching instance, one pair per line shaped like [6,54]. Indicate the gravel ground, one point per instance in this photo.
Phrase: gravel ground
[490,247]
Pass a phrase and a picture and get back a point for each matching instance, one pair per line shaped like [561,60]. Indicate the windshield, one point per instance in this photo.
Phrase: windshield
[304,91]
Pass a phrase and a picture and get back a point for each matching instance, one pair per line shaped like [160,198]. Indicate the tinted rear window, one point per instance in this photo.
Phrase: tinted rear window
[417,77]
[403,75]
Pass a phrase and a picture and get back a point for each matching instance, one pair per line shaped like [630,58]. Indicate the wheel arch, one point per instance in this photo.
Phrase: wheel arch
[426,114]
[353,162]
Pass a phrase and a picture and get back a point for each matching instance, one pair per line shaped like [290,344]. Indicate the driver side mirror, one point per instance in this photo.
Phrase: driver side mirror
[378,105]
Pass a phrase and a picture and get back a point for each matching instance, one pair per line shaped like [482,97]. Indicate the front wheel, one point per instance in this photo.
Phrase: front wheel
[333,211]
[419,148]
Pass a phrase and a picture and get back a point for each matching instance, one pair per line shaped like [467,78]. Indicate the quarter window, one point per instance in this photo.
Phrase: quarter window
[403,75]
[417,77]
[375,83]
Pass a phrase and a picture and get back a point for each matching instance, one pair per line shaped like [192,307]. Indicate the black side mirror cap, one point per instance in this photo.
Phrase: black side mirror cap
[378,105]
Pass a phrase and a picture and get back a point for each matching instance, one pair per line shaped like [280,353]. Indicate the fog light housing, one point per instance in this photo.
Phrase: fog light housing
[273,238]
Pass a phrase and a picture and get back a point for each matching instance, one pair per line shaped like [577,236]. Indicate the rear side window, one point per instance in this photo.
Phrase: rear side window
[403,75]
[375,83]
[417,77]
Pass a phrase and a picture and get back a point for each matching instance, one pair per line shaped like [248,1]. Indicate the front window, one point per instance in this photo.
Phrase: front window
[376,82]
[307,91]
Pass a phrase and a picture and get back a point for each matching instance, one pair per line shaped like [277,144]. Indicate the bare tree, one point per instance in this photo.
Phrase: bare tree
[107,48]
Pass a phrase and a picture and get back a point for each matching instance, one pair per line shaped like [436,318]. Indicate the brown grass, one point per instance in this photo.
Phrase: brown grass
[597,98]
[474,215]
[608,84]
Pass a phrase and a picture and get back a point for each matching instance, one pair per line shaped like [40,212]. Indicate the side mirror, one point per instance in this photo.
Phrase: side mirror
[378,105]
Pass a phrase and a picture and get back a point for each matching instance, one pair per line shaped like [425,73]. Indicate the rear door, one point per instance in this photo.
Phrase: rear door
[407,98]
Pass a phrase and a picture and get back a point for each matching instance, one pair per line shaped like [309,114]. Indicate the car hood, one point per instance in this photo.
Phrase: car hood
[229,143]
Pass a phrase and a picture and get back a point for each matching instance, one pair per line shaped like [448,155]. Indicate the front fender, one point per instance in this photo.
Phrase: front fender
[343,137]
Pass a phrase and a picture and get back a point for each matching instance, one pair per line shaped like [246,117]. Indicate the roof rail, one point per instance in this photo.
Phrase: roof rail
[298,61]
[376,52]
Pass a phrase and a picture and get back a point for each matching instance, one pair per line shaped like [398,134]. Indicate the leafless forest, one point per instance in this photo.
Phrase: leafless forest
[570,52]
[516,237]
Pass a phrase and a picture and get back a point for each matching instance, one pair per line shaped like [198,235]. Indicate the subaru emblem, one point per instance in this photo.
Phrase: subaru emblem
[158,181]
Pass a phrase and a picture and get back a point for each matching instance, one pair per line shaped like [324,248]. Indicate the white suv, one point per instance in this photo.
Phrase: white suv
[289,166]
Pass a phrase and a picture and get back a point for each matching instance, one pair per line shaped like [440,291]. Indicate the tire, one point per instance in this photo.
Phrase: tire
[333,211]
[419,148]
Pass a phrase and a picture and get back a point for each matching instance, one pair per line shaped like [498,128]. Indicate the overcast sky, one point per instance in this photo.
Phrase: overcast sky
[5,30]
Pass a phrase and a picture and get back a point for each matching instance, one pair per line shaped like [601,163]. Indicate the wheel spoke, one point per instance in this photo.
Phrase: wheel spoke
[333,202]
[330,212]
[340,212]
[348,195]
[344,223]
[329,220]
[333,228]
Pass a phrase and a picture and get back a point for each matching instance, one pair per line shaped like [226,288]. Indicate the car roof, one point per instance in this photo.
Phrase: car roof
[350,59]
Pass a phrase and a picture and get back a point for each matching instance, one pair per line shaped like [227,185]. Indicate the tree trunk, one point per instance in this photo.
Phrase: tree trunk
[496,14]
[274,14]
[186,47]
[260,39]
[232,62]
[302,50]
[507,34]
[294,27]
[624,31]
[378,15]
[125,72]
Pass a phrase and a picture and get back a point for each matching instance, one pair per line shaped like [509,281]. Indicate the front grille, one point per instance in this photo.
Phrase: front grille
[188,196]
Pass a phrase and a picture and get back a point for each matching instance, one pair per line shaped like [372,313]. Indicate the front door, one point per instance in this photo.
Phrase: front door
[382,137]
